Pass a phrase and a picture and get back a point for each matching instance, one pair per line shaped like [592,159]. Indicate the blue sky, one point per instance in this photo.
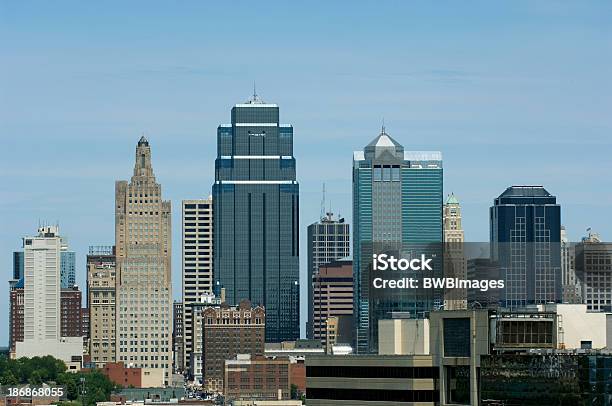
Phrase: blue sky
[510,92]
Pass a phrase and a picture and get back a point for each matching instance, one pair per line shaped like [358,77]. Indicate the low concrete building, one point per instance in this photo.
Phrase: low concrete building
[366,380]
[579,328]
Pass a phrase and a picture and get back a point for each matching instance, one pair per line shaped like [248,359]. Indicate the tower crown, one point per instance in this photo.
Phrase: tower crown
[142,165]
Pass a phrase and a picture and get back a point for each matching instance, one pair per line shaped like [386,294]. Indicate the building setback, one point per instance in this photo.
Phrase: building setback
[143,252]
[229,331]
[101,303]
[197,265]
[525,242]
[328,240]
[256,216]
[397,208]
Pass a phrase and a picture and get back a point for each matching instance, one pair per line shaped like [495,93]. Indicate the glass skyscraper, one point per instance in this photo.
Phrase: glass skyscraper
[67,268]
[256,216]
[397,208]
[525,241]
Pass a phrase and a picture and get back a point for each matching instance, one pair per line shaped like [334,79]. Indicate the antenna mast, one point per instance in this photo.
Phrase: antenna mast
[322,215]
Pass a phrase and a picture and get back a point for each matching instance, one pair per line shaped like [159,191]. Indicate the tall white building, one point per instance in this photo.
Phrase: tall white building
[143,251]
[197,264]
[42,287]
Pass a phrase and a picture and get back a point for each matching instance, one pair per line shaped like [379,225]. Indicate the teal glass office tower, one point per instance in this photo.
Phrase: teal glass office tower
[256,216]
[397,208]
[67,269]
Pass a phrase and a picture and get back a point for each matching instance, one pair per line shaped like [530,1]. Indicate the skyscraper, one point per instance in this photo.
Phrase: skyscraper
[256,216]
[525,241]
[41,300]
[328,240]
[101,304]
[594,267]
[144,287]
[455,263]
[67,266]
[397,208]
[332,295]
[197,265]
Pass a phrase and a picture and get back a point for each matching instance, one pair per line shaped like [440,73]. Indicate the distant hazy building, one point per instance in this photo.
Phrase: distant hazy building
[455,263]
[594,269]
[332,287]
[229,331]
[397,208]
[42,300]
[143,251]
[177,336]
[256,216]
[328,240]
[525,241]
[197,264]
[101,303]
[569,282]
[17,265]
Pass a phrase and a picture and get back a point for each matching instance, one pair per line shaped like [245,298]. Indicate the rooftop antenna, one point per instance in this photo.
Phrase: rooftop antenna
[383,125]
[322,215]
[254,91]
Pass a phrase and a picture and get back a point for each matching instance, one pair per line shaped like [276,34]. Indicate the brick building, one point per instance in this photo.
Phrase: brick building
[257,378]
[133,377]
[229,331]
[70,303]
[16,315]
[332,289]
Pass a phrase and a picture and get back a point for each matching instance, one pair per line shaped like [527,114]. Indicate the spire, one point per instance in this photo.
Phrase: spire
[143,141]
[255,98]
[142,166]
[452,199]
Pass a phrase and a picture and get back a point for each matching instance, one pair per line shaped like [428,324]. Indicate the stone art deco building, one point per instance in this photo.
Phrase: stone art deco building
[256,216]
[143,247]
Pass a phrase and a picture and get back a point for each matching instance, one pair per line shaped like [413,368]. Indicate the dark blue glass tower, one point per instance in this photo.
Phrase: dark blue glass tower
[256,216]
[525,241]
[397,209]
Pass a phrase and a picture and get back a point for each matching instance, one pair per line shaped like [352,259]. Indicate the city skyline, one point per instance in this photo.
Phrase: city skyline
[465,109]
